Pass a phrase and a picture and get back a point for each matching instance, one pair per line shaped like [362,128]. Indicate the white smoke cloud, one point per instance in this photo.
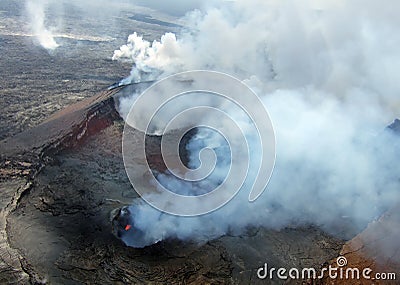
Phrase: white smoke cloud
[148,57]
[37,21]
[327,72]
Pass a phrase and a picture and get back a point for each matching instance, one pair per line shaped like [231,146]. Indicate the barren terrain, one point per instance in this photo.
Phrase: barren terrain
[62,173]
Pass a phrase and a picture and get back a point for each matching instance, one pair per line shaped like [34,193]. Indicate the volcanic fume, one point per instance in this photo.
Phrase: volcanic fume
[37,17]
[326,71]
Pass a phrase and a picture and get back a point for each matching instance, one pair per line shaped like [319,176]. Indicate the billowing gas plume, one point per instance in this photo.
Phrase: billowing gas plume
[327,73]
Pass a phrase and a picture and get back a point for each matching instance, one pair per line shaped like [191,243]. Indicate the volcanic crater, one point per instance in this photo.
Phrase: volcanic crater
[66,176]
[62,178]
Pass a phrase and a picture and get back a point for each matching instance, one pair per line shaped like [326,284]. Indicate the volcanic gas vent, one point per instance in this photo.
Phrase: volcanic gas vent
[121,220]
[124,226]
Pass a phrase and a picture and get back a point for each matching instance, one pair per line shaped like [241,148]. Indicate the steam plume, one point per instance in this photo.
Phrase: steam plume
[37,18]
[326,71]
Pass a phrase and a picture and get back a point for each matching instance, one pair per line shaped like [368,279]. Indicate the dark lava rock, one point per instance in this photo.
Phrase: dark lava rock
[55,220]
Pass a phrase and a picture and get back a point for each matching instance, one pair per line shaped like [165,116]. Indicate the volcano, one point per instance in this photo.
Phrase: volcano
[65,178]
[69,213]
